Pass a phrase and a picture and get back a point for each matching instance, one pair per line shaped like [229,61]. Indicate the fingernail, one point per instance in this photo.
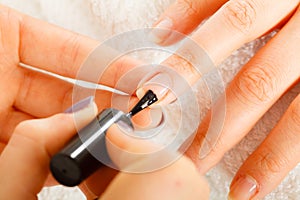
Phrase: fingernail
[84,103]
[125,127]
[150,119]
[83,112]
[161,31]
[243,189]
[160,84]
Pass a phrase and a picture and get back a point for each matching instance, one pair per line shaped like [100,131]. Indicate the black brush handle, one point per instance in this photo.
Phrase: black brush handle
[86,152]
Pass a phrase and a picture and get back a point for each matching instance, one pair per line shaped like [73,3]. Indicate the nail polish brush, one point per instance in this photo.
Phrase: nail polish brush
[87,152]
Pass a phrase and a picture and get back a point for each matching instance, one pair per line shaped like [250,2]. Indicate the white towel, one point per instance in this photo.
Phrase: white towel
[101,18]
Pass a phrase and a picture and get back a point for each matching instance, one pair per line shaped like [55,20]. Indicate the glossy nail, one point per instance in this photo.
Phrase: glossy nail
[161,31]
[243,189]
[84,103]
[160,84]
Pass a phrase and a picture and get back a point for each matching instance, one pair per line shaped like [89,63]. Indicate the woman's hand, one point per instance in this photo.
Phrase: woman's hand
[24,163]
[27,143]
[261,82]
[27,94]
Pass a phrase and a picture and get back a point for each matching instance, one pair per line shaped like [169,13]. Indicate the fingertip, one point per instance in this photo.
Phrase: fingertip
[148,118]
[84,115]
[165,33]
[180,19]
[244,187]
[161,84]
[162,31]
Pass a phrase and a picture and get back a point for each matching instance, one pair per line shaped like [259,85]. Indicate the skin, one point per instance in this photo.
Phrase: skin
[259,84]
[30,125]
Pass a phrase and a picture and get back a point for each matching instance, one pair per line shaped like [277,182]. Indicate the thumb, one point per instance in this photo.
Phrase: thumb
[24,162]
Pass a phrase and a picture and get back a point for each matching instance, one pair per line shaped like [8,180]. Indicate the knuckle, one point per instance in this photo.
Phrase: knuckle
[182,66]
[69,55]
[269,161]
[257,84]
[26,131]
[24,125]
[189,7]
[240,15]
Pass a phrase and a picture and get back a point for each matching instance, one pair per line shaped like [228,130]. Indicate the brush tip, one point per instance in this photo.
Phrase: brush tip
[148,99]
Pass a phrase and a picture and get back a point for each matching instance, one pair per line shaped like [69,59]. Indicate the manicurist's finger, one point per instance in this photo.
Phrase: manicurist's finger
[182,16]
[24,163]
[54,49]
[13,118]
[42,95]
[259,84]
[270,163]
[51,48]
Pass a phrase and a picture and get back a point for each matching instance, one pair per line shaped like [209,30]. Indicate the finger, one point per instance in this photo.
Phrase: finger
[182,16]
[117,143]
[56,50]
[271,162]
[96,184]
[30,149]
[239,22]
[253,91]
[12,119]
[42,95]
[62,52]
[51,48]
[177,181]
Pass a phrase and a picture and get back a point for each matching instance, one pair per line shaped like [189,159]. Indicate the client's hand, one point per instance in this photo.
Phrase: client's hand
[24,163]
[268,75]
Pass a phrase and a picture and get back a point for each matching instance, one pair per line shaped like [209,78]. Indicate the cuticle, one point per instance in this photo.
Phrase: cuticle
[244,176]
[147,78]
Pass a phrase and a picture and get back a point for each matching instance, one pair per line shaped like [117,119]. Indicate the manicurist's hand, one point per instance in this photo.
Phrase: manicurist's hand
[259,84]
[24,163]
[27,94]
[32,131]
